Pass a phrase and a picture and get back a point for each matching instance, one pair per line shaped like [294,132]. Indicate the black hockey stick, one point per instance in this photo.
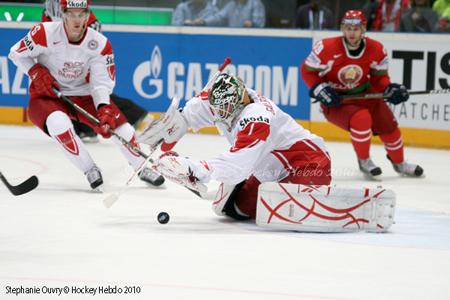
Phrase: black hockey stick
[383,95]
[22,188]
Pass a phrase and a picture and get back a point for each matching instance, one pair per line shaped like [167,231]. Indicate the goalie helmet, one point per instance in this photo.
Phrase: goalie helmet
[226,98]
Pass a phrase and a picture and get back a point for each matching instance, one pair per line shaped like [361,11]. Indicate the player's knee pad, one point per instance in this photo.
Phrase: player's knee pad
[126,131]
[224,203]
[57,123]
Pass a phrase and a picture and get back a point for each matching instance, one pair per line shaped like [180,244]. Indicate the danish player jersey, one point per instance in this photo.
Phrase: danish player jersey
[260,128]
[330,62]
[83,68]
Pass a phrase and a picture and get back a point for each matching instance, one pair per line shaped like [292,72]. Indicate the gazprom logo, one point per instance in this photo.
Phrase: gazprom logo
[185,80]
[146,76]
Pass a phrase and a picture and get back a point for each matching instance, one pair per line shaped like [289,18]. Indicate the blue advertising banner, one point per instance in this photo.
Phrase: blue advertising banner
[13,84]
[151,68]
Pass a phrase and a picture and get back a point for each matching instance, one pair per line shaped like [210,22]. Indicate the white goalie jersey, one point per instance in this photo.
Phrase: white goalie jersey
[260,129]
[81,69]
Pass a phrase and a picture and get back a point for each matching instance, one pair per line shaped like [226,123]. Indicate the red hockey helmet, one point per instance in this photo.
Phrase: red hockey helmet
[65,4]
[354,17]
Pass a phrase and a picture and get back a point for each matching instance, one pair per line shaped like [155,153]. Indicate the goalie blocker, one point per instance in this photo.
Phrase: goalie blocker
[315,208]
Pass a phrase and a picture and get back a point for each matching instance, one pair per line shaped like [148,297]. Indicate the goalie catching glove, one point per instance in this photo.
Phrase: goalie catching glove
[168,129]
[184,171]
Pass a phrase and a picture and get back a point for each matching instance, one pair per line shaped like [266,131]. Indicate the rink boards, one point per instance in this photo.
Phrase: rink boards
[157,63]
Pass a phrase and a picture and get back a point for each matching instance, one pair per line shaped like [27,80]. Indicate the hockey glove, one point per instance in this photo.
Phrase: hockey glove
[107,117]
[43,81]
[325,94]
[396,93]
[184,171]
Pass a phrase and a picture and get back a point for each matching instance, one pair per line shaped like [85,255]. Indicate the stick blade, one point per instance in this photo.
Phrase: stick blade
[22,188]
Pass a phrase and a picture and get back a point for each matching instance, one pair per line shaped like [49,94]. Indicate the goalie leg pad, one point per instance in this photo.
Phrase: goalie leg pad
[324,208]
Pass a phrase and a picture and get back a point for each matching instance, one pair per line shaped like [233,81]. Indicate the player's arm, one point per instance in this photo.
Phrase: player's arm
[102,75]
[230,167]
[381,82]
[238,163]
[102,78]
[379,77]
[312,70]
[24,53]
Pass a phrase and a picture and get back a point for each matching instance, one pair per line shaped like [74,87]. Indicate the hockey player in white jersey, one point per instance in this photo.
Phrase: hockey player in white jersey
[79,62]
[266,145]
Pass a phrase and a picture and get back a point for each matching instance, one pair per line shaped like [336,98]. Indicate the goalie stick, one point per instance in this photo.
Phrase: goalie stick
[22,188]
[383,95]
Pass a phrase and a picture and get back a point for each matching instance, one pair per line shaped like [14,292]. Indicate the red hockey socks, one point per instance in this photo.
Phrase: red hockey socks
[361,132]
[393,144]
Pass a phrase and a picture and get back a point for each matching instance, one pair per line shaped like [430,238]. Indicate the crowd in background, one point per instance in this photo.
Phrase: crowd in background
[382,15]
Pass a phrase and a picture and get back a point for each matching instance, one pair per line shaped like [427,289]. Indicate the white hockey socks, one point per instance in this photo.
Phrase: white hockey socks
[60,128]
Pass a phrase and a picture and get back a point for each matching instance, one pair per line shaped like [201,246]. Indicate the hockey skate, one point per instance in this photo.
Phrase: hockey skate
[407,169]
[151,177]
[94,176]
[369,168]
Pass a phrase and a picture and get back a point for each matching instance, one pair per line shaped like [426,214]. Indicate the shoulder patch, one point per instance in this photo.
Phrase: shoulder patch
[37,34]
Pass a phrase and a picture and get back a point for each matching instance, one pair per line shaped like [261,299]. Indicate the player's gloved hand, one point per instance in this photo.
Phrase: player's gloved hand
[325,94]
[184,171]
[42,80]
[397,93]
[107,116]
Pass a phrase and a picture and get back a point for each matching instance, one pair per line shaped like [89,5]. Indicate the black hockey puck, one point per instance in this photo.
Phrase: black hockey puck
[163,218]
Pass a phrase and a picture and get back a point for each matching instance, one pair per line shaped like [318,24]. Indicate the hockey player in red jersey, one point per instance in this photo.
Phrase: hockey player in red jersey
[134,113]
[79,62]
[266,145]
[350,64]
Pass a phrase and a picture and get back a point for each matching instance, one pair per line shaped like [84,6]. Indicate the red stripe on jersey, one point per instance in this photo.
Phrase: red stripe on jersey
[38,35]
[108,49]
[251,135]
[22,47]
[112,72]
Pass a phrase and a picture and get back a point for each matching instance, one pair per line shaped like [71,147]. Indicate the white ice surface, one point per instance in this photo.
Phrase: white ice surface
[61,235]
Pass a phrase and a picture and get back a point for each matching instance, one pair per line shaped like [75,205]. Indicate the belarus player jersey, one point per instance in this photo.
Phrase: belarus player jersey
[83,68]
[331,62]
[259,130]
